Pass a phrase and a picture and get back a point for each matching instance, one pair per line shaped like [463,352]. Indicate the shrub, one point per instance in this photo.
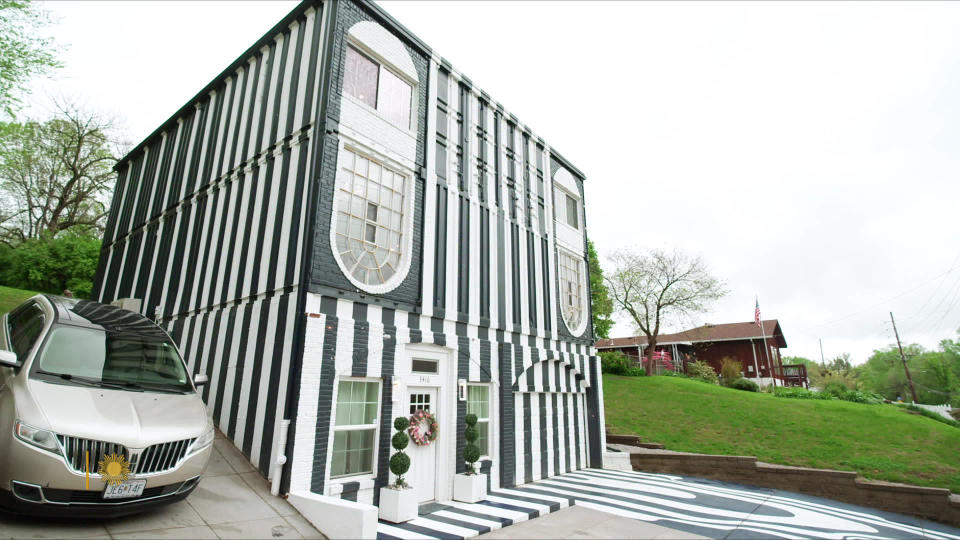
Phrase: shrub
[669,373]
[471,453]
[730,370]
[634,371]
[614,362]
[67,261]
[702,371]
[400,462]
[744,384]
[857,396]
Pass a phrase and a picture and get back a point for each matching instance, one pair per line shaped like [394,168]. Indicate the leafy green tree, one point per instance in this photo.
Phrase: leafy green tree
[602,306]
[54,175]
[658,287]
[23,52]
[51,265]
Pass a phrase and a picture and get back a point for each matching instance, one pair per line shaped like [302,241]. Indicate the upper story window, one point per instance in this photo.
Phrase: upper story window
[369,230]
[571,292]
[572,208]
[378,87]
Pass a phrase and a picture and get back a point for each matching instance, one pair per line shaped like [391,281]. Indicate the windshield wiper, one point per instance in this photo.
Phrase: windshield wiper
[88,380]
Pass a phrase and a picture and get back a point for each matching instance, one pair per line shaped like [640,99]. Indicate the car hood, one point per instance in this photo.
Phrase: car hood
[133,419]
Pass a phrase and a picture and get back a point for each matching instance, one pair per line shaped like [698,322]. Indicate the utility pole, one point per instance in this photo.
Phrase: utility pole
[823,363]
[903,359]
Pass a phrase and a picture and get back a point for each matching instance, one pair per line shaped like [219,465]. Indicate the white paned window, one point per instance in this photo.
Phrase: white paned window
[369,226]
[571,290]
[378,87]
[478,403]
[572,208]
[355,428]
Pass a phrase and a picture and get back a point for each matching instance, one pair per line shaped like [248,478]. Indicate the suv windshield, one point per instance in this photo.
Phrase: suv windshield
[109,358]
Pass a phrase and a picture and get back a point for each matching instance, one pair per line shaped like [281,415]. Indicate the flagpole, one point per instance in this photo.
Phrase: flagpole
[766,352]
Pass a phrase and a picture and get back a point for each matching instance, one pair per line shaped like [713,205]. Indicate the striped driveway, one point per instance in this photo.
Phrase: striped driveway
[703,507]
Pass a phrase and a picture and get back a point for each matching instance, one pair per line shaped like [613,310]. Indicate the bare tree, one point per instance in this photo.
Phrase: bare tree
[55,175]
[657,287]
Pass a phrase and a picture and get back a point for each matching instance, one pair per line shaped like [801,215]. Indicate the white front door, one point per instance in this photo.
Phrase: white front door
[423,459]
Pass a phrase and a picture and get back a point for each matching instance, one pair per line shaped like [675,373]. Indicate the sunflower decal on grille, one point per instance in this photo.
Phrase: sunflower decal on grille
[114,469]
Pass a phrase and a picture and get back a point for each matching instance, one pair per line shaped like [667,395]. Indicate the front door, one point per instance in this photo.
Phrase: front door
[423,459]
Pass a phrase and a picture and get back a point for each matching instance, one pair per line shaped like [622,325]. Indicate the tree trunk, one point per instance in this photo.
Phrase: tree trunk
[651,348]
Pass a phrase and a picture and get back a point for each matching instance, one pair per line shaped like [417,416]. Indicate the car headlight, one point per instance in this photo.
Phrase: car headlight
[202,441]
[40,438]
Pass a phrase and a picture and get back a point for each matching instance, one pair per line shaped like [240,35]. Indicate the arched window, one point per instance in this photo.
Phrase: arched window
[370,226]
[572,294]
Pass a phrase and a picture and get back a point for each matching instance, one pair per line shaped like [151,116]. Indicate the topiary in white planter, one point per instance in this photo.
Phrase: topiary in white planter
[398,502]
[470,486]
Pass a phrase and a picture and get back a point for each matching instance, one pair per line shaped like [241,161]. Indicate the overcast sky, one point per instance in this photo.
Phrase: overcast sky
[808,151]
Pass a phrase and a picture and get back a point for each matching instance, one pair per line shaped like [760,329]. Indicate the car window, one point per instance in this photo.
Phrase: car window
[114,357]
[25,328]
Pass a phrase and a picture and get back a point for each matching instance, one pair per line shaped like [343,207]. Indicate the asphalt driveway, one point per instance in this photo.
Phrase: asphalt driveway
[232,501]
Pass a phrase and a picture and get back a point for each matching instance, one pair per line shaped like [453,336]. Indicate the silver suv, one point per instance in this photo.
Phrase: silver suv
[98,415]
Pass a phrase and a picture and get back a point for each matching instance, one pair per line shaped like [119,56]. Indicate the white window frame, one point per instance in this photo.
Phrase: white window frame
[485,453]
[355,427]
[562,207]
[584,291]
[383,65]
[406,221]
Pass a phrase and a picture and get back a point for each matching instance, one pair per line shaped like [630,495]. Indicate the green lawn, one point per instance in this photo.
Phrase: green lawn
[880,442]
[11,298]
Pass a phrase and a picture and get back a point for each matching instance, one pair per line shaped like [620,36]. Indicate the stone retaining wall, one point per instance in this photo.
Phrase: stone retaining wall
[935,504]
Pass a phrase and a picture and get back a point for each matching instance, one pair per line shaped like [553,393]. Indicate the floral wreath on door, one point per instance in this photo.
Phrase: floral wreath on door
[421,436]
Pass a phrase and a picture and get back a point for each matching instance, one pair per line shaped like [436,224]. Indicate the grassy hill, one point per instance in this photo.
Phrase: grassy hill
[11,298]
[880,442]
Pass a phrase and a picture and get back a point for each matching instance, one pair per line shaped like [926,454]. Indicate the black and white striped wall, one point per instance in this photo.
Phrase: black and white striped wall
[207,225]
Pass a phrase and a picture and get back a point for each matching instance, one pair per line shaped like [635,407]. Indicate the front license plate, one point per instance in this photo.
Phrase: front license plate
[125,490]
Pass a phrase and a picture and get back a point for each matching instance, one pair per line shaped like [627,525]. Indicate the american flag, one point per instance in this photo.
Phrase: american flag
[756,313]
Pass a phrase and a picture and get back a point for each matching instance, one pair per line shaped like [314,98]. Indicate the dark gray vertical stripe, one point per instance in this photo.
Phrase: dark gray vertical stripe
[440,250]
[501,274]
[531,283]
[262,321]
[324,406]
[547,322]
[271,407]
[508,413]
[544,444]
[228,355]
[515,272]
[527,439]
[576,429]
[210,355]
[556,432]
[463,372]
[566,398]
[484,265]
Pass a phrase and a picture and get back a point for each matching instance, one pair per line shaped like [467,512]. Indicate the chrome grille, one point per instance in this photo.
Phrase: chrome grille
[75,450]
[161,457]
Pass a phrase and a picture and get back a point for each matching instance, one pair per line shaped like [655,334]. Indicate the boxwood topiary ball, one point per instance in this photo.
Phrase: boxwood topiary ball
[399,464]
[471,453]
[470,433]
[401,423]
[400,440]
[471,419]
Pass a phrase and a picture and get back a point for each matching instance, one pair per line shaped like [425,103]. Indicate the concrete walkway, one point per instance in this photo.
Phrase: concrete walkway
[232,501]
[582,522]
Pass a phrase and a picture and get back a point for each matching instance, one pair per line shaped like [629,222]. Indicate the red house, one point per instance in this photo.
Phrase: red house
[711,343]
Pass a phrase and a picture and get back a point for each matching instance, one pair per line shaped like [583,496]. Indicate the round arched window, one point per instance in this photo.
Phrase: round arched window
[369,235]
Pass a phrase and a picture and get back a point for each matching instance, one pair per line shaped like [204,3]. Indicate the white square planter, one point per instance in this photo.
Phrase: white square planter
[398,505]
[469,487]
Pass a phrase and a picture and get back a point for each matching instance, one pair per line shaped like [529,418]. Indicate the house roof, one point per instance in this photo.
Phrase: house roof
[706,333]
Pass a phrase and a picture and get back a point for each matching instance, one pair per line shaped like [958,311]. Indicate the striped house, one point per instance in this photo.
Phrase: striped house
[340,229]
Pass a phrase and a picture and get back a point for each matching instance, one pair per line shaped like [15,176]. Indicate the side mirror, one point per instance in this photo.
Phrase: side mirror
[9,359]
[200,379]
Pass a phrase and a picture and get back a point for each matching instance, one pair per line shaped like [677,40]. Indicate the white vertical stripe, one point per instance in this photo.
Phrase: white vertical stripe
[231,380]
[218,357]
[246,124]
[535,448]
[307,28]
[193,277]
[218,194]
[283,235]
[519,437]
[301,467]
[269,136]
[242,233]
[223,129]
[291,46]
[344,350]
[259,179]
[265,368]
[234,189]
[257,311]
[375,342]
